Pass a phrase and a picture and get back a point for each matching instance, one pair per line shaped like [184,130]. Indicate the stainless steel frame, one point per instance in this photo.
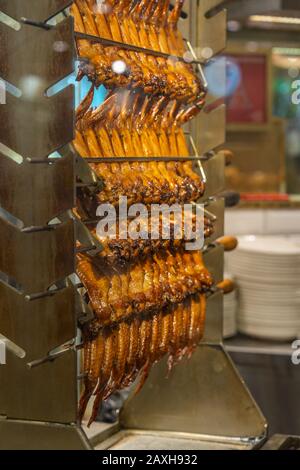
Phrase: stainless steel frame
[38,405]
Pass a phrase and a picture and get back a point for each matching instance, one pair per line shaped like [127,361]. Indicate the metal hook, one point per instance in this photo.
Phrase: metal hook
[55,355]
[131,47]
[210,215]
[203,175]
[199,65]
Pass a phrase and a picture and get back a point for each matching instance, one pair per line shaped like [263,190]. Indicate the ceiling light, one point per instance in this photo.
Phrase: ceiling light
[274,19]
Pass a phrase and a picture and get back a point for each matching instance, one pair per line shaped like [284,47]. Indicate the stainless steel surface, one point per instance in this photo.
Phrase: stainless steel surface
[45,56]
[36,260]
[23,321]
[211,31]
[204,395]
[211,129]
[214,170]
[214,319]
[99,432]
[214,261]
[85,174]
[20,185]
[149,440]
[36,10]
[45,393]
[32,139]
[208,35]
[25,435]
[89,243]
[49,52]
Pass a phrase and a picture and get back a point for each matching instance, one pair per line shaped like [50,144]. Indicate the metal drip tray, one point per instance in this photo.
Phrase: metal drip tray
[149,440]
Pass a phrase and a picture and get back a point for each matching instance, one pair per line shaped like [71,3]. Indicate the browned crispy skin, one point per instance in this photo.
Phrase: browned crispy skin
[171,277]
[116,350]
[121,357]
[92,368]
[130,124]
[120,251]
[104,384]
[97,285]
[132,358]
[124,350]
[149,296]
[140,26]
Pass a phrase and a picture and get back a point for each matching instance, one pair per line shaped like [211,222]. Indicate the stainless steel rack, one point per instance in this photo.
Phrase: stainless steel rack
[38,405]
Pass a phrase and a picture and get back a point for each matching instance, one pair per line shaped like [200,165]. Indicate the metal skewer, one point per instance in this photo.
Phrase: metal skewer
[55,355]
[134,48]
[143,159]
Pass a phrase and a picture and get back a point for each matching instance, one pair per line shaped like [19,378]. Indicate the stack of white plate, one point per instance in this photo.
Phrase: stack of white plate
[267,271]
[230,312]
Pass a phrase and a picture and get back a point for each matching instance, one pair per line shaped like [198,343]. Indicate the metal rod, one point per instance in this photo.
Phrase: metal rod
[42,295]
[46,228]
[37,24]
[85,249]
[85,317]
[201,169]
[79,285]
[144,159]
[84,185]
[91,221]
[212,217]
[209,214]
[49,358]
[131,47]
[82,376]
[46,160]
[199,64]
[193,145]
[202,172]
[53,356]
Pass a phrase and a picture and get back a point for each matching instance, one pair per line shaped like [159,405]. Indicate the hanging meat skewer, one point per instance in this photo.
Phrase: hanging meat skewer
[120,251]
[179,275]
[117,356]
[129,124]
[148,296]
[141,27]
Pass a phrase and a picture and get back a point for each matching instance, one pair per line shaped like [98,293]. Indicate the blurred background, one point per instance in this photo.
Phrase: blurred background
[262,316]
[263,72]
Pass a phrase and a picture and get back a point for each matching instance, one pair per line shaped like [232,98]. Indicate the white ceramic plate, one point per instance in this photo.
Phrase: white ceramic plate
[274,245]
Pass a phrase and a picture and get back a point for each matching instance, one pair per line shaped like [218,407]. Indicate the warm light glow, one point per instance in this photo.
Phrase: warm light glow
[274,19]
